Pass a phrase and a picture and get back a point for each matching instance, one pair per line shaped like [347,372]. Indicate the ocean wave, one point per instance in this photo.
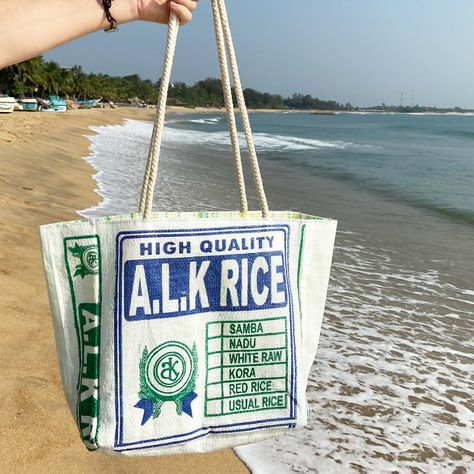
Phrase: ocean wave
[263,141]
[281,147]
[281,142]
[206,121]
[199,121]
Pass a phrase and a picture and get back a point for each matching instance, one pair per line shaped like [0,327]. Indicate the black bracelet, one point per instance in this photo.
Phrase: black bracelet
[107,4]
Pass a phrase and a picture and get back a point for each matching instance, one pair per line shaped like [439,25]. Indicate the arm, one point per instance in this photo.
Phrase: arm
[30,27]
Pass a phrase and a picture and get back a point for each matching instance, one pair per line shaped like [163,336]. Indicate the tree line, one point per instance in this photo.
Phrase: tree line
[40,78]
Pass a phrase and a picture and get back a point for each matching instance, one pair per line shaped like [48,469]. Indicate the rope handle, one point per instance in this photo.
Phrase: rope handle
[149,182]
[229,105]
[226,52]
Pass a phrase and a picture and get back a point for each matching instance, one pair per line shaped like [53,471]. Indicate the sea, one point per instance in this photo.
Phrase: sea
[392,386]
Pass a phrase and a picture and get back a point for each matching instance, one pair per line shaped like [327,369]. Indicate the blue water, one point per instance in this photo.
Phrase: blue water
[391,387]
[424,161]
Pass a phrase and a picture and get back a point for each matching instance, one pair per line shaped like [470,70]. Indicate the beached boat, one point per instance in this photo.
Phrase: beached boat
[89,104]
[54,104]
[29,105]
[7,105]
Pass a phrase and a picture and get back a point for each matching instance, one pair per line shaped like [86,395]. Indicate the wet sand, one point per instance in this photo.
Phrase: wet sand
[43,180]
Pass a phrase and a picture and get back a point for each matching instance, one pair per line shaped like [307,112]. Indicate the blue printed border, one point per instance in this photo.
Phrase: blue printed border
[205,430]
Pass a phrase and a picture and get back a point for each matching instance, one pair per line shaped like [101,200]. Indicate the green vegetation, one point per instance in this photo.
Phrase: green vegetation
[40,78]
[413,109]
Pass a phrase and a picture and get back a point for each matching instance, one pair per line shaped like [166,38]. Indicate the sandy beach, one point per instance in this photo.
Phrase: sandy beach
[43,179]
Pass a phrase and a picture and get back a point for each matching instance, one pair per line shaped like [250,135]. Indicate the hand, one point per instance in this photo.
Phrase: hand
[159,10]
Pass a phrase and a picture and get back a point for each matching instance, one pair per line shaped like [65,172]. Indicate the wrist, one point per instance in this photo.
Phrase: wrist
[123,11]
[152,10]
[140,8]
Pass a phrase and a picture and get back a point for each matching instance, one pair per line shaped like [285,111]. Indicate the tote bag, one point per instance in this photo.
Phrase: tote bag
[188,332]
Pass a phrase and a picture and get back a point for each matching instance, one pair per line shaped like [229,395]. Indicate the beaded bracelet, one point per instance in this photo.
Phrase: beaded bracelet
[107,4]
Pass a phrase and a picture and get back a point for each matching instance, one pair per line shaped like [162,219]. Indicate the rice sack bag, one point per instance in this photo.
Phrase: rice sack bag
[188,332]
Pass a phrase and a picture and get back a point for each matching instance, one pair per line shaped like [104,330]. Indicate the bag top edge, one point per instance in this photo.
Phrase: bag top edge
[176,216]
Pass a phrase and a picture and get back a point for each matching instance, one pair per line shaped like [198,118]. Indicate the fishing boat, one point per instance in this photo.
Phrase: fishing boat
[54,104]
[29,105]
[7,105]
[89,104]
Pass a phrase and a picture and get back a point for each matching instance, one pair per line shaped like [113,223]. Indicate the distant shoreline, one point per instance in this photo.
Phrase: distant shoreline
[203,110]
[149,111]
[77,85]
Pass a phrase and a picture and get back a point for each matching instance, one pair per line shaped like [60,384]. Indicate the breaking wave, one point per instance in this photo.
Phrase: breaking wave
[263,141]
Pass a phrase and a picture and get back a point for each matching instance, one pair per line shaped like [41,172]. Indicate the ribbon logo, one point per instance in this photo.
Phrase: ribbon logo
[89,260]
[167,373]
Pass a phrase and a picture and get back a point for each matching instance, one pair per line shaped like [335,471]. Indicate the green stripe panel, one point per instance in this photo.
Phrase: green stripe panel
[83,266]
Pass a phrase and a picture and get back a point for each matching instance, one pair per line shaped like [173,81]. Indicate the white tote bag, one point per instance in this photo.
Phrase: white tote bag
[188,332]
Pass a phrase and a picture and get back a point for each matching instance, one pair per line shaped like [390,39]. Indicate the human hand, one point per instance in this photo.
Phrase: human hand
[159,10]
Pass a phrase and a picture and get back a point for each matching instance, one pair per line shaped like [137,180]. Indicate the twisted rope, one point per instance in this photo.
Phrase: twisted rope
[229,106]
[224,45]
[146,200]
[257,176]
[146,179]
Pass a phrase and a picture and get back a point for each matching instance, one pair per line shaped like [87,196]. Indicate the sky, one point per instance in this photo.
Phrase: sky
[365,52]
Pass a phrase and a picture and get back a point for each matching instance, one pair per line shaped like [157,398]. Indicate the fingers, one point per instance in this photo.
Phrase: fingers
[189,4]
[184,9]
[158,10]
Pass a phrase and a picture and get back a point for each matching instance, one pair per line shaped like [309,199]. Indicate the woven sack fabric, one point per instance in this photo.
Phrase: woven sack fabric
[187,333]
